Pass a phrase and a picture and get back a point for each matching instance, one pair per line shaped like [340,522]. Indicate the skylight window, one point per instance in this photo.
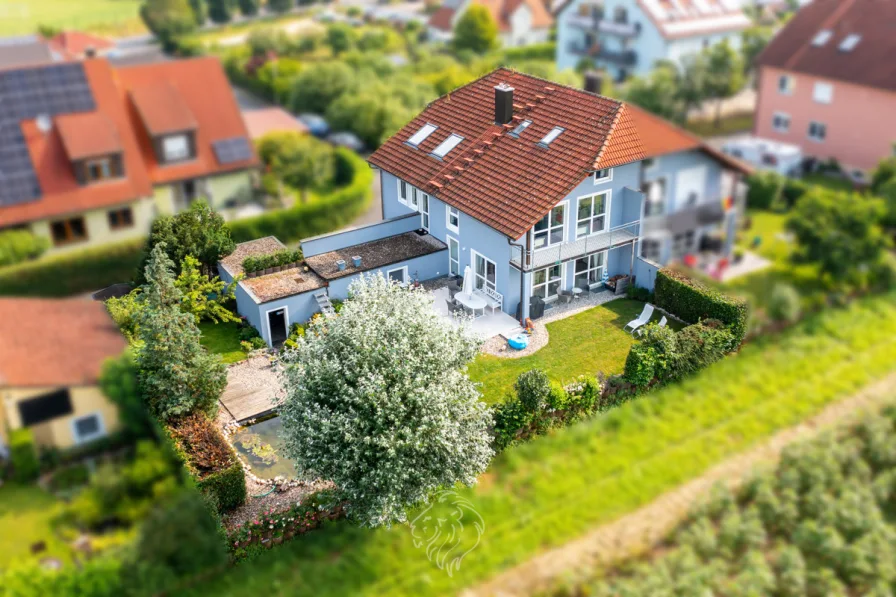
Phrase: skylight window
[555,132]
[420,136]
[520,128]
[822,38]
[447,145]
[851,41]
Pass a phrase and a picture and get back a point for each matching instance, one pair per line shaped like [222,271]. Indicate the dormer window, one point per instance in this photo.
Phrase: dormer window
[99,169]
[175,148]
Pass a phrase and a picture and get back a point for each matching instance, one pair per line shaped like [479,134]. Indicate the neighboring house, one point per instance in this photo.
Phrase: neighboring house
[520,22]
[536,186]
[26,50]
[827,82]
[77,45]
[51,358]
[262,121]
[92,153]
[628,37]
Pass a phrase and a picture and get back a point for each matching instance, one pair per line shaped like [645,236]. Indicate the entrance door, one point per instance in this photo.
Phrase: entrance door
[453,257]
[277,326]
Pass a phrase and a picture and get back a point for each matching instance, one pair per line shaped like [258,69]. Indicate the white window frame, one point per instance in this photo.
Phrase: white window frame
[789,88]
[449,212]
[101,431]
[402,200]
[404,274]
[563,227]
[784,116]
[547,282]
[414,202]
[814,138]
[267,322]
[183,152]
[427,199]
[659,249]
[607,202]
[450,239]
[476,276]
[603,179]
[823,92]
[662,200]
[602,268]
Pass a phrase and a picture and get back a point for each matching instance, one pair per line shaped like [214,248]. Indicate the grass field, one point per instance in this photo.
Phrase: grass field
[26,513]
[583,344]
[556,488]
[114,18]
[222,339]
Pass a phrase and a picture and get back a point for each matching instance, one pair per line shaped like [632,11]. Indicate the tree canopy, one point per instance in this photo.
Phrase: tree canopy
[168,19]
[724,74]
[300,161]
[320,84]
[378,401]
[476,30]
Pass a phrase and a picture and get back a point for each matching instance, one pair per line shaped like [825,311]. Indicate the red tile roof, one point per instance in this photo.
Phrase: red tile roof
[510,183]
[55,342]
[269,120]
[162,108]
[869,64]
[88,134]
[203,88]
[74,44]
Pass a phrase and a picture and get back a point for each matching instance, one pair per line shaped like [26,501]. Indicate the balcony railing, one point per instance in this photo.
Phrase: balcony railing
[683,220]
[614,237]
[599,24]
[627,58]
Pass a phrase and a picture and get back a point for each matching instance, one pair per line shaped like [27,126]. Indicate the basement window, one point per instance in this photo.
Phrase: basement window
[447,145]
[421,135]
[549,138]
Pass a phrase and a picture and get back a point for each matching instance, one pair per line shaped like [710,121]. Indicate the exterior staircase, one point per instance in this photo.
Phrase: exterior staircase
[323,302]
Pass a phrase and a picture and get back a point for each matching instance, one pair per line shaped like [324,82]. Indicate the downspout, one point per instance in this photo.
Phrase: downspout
[523,256]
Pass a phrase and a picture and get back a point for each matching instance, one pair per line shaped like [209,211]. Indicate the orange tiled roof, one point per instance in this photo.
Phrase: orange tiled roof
[509,183]
[162,108]
[73,44]
[88,134]
[82,337]
[262,121]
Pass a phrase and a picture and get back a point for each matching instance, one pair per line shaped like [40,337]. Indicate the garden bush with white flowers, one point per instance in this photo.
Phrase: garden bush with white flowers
[378,401]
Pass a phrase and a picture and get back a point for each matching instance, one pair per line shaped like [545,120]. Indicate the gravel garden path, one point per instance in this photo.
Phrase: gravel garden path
[636,532]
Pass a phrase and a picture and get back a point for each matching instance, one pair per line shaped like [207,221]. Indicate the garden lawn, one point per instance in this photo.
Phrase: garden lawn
[222,339]
[583,344]
[734,123]
[105,17]
[26,514]
[833,183]
[557,487]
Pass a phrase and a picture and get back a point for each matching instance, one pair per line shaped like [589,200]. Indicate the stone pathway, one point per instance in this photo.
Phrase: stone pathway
[644,528]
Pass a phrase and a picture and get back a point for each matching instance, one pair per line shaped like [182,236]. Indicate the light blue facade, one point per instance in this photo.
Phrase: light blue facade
[630,48]
[422,268]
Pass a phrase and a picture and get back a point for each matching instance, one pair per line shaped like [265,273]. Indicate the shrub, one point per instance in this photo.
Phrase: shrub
[510,418]
[693,301]
[248,332]
[21,245]
[640,365]
[93,577]
[255,263]
[784,303]
[125,312]
[699,346]
[23,456]
[210,459]
[533,389]
[763,188]
[792,191]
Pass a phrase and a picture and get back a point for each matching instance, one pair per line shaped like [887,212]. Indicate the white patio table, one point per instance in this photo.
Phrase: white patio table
[473,302]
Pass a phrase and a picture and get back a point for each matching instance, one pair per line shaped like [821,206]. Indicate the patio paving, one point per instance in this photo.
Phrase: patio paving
[253,389]
[487,326]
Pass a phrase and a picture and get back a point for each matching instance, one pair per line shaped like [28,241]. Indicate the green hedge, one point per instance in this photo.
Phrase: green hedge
[73,273]
[17,246]
[692,301]
[323,214]
[23,456]
[228,486]
[542,51]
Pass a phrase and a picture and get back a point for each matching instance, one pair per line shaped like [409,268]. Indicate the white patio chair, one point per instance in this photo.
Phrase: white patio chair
[663,323]
[642,319]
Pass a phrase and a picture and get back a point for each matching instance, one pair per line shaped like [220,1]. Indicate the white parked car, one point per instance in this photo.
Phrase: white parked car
[783,158]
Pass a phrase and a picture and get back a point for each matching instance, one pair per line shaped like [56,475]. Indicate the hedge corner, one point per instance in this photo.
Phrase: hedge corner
[692,301]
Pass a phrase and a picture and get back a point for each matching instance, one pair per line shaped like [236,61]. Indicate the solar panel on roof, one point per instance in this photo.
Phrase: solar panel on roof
[24,95]
[234,149]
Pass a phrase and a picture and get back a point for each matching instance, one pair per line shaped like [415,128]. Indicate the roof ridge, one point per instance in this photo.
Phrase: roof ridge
[609,135]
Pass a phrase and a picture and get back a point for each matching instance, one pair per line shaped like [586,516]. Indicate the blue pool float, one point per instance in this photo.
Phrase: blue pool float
[518,342]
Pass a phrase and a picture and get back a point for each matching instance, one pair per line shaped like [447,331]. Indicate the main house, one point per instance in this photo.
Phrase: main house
[628,37]
[51,358]
[827,83]
[536,186]
[520,22]
[92,153]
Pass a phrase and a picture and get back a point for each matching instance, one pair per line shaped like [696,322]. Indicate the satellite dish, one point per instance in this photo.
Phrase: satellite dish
[44,124]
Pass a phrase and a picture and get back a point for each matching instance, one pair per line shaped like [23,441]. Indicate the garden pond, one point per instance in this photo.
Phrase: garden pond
[261,445]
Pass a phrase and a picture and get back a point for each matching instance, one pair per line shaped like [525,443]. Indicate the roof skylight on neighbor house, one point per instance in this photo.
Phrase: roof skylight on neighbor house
[447,145]
[822,37]
[520,128]
[420,136]
[851,41]
[555,132]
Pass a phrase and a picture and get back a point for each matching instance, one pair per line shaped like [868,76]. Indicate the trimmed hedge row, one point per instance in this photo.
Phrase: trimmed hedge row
[228,486]
[325,214]
[692,301]
[665,355]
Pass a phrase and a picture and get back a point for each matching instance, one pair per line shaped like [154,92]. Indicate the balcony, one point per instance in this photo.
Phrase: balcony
[597,23]
[612,238]
[624,58]
[684,220]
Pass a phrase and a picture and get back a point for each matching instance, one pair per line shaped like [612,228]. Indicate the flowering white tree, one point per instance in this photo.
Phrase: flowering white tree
[378,401]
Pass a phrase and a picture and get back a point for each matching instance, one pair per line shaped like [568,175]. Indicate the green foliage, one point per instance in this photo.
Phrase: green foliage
[249,8]
[318,85]
[21,245]
[764,187]
[692,301]
[543,51]
[203,297]
[268,39]
[887,192]
[199,13]
[724,74]
[23,455]
[840,232]
[94,577]
[369,114]
[341,38]
[792,191]
[200,231]
[168,20]
[784,303]
[640,367]
[256,263]
[300,161]
[533,389]
[84,271]
[476,30]
[125,312]
[220,11]
[279,6]
[510,417]
[325,214]
[753,41]
[120,383]
[665,355]
[177,376]
[884,173]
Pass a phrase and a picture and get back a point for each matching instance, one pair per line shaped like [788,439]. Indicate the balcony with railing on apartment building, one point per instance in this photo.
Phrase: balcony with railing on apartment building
[611,238]
[595,21]
[596,50]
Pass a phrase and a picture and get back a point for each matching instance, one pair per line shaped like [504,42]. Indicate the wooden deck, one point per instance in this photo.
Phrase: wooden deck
[253,389]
